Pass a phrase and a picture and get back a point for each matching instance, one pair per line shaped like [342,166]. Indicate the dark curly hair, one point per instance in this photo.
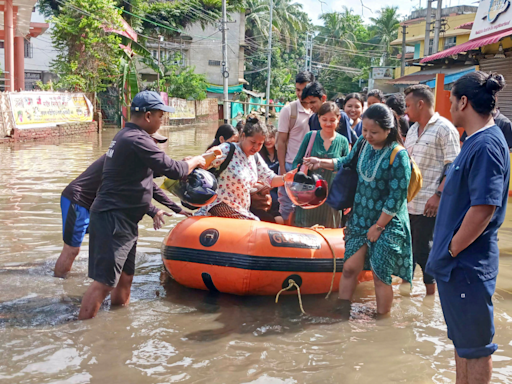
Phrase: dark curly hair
[480,88]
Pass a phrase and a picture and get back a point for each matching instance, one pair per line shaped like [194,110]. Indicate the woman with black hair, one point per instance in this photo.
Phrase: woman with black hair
[225,134]
[378,236]
[353,107]
[375,96]
[397,103]
[245,169]
[465,256]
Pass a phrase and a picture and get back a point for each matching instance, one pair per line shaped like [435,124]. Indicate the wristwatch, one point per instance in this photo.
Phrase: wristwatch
[379,228]
[439,193]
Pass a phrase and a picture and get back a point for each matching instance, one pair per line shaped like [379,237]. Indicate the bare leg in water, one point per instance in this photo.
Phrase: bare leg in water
[351,270]
[384,295]
[473,371]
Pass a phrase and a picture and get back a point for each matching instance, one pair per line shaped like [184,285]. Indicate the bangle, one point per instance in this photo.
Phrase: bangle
[379,228]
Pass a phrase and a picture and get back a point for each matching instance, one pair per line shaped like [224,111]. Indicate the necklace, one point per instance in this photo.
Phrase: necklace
[373,173]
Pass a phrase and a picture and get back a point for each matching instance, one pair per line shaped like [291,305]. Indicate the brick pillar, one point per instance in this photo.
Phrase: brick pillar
[19,63]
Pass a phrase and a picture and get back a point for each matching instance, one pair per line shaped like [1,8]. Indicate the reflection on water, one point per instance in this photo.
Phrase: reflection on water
[173,334]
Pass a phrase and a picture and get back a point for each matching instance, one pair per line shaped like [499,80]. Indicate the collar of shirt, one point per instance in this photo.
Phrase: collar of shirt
[432,121]
[301,109]
[480,130]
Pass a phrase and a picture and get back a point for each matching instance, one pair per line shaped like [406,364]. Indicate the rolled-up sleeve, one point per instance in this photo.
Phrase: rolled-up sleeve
[284,120]
[450,144]
[486,177]
[157,160]
[399,176]
[265,174]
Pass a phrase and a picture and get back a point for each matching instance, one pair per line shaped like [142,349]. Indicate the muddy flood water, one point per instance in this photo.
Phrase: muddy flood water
[172,334]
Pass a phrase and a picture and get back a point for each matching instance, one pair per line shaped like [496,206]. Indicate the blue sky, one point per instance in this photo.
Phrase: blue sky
[315,7]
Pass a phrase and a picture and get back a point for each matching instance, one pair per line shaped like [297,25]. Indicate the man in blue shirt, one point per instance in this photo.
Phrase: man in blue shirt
[465,255]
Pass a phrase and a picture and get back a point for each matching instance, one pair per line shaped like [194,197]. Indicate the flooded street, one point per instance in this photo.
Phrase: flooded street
[172,334]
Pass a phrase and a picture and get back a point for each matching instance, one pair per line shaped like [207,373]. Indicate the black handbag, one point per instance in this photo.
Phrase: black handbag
[343,187]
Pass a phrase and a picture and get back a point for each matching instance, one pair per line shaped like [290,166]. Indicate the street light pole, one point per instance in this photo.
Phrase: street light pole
[225,67]
[160,38]
[269,73]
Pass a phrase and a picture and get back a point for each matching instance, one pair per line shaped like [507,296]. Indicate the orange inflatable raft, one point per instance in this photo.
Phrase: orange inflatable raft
[246,257]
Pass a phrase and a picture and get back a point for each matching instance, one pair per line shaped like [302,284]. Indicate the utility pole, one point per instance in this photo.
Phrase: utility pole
[225,67]
[437,26]
[402,61]
[309,51]
[427,29]
[269,71]
[160,39]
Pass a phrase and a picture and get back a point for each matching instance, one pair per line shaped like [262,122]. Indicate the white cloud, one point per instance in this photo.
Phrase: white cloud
[314,8]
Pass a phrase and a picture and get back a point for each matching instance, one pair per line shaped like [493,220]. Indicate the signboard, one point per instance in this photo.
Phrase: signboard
[184,109]
[382,73]
[492,16]
[47,109]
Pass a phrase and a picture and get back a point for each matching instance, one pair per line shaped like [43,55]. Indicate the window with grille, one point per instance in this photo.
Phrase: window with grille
[450,42]
[28,49]
[215,63]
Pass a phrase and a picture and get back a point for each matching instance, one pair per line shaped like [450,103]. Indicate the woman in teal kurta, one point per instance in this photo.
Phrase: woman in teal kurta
[378,236]
[329,148]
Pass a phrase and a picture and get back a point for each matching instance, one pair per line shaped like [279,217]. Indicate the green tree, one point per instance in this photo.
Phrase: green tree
[88,56]
[178,81]
[384,28]
[289,21]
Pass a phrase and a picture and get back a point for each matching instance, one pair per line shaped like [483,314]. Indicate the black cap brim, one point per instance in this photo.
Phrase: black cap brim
[159,138]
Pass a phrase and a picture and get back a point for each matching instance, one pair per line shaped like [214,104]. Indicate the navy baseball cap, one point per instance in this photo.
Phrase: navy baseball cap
[146,101]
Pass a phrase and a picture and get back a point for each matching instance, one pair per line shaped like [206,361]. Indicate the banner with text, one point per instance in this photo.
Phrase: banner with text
[491,17]
[47,109]
[184,109]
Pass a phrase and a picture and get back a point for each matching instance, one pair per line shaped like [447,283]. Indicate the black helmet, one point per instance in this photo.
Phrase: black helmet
[196,190]
[307,191]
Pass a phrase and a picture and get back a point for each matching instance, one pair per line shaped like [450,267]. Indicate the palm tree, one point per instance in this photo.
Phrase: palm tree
[385,28]
[338,29]
[289,21]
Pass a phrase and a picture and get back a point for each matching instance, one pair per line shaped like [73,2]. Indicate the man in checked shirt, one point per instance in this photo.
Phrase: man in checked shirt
[433,142]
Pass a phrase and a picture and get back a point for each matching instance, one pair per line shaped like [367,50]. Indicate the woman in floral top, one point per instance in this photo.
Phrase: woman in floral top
[245,169]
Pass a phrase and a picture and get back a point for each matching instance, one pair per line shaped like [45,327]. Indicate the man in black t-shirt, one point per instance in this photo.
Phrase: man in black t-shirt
[123,199]
[503,123]
[76,201]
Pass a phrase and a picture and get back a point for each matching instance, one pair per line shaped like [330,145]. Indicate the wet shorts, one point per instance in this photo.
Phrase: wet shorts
[469,314]
[112,246]
[75,222]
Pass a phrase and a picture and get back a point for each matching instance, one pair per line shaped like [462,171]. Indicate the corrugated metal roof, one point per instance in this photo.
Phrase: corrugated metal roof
[413,79]
[467,25]
[468,46]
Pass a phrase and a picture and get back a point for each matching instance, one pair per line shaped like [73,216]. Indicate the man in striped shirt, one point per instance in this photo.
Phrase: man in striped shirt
[433,142]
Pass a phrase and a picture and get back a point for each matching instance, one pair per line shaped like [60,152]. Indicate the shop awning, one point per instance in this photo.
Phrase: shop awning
[468,46]
[448,79]
[428,76]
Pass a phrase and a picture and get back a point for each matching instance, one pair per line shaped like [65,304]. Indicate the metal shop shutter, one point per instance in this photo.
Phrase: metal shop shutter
[504,67]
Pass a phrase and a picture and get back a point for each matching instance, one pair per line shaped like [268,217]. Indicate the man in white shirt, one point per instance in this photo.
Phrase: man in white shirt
[433,142]
[293,126]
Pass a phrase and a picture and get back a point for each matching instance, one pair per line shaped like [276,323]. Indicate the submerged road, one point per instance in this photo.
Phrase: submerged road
[172,334]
